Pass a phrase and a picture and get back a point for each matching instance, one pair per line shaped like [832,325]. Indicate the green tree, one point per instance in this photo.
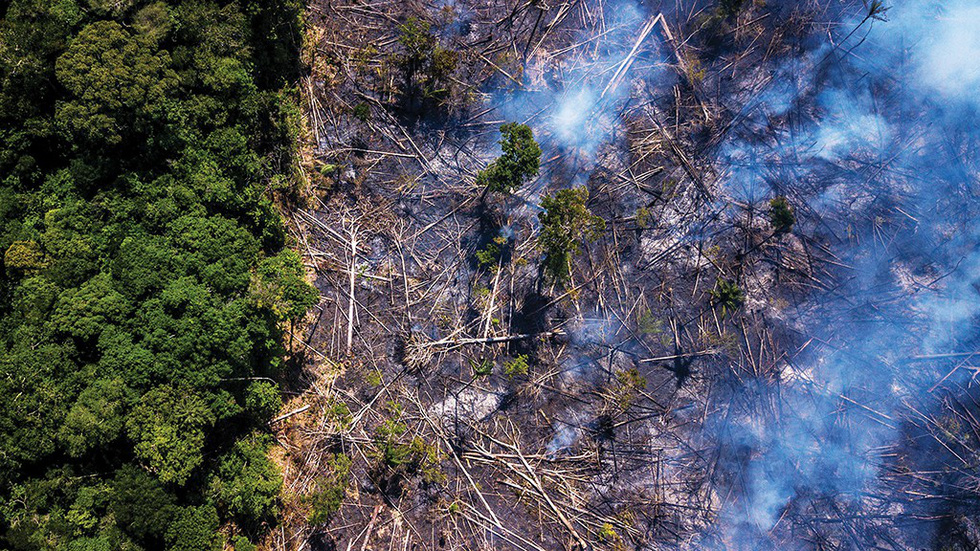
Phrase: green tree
[88,507]
[398,457]
[781,215]
[168,427]
[86,311]
[566,223]
[69,240]
[728,295]
[97,418]
[32,34]
[154,21]
[194,529]
[140,504]
[25,256]
[215,249]
[142,265]
[241,543]
[519,162]
[629,384]
[329,492]
[246,483]
[427,66]
[418,42]
[280,285]
[262,400]
[119,85]
[34,397]
[33,301]
[516,366]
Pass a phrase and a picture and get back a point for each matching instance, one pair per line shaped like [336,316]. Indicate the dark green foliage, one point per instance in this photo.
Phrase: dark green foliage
[34,33]
[194,529]
[390,450]
[426,65]
[491,255]
[417,40]
[144,275]
[153,21]
[519,162]
[84,312]
[168,428]
[729,8]
[329,492]
[140,504]
[262,400]
[362,112]
[97,418]
[246,485]
[728,295]
[399,457]
[241,543]
[565,224]
[629,384]
[781,215]
[482,368]
[516,366]
[118,87]
[281,288]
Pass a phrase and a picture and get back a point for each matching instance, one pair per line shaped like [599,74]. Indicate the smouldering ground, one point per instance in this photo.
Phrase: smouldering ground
[815,415]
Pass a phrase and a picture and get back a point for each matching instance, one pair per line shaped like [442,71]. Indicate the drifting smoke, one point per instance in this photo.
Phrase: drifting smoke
[890,155]
[876,144]
[572,112]
[945,51]
[565,436]
[844,131]
[572,105]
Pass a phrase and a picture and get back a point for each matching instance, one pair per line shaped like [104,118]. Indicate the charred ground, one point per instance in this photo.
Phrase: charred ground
[713,374]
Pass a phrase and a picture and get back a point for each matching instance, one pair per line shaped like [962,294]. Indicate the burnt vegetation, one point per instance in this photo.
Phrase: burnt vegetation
[590,282]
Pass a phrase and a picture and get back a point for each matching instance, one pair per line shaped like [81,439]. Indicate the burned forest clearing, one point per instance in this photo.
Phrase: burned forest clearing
[731,309]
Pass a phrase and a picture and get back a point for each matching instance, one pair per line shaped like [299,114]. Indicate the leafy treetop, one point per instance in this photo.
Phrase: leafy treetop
[781,215]
[519,162]
[728,295]
[566,223]
[118,84]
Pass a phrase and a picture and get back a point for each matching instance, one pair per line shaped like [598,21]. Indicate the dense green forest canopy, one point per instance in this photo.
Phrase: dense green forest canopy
[145,275]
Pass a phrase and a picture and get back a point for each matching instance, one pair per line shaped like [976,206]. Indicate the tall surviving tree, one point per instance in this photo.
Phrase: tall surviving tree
[566,223]
[728,295]
[781,215]
[426,65]
[519,162]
